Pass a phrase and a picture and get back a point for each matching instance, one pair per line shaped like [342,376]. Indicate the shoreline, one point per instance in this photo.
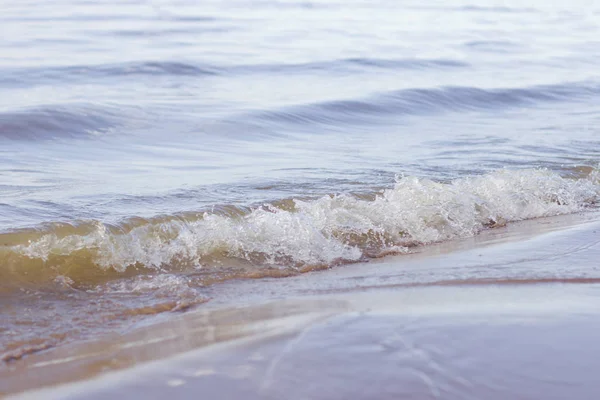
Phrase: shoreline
[449,342]
[520,261]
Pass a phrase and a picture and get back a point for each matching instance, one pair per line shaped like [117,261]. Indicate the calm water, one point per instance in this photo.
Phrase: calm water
[159,146]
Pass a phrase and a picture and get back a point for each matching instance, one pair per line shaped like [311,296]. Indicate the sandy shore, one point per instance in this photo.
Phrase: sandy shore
[509,314]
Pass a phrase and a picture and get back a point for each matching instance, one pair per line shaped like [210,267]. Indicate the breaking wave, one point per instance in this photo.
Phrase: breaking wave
[294,234]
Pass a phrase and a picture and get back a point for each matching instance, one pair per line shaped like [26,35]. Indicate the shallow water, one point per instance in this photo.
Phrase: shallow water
[151,148]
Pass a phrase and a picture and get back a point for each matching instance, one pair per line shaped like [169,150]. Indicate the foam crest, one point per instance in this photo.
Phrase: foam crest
[324,231]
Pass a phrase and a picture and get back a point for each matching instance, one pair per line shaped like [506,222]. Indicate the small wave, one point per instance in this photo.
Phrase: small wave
[56,122]
[34,76]
[153,68]
[495,46]
[161,14]
[422,101]
[496,9]
[162,32]
[351,64]
[27,76]
[480,9]
[294,234]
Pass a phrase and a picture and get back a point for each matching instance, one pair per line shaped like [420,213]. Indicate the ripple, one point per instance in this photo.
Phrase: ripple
[424,101]
[47,75]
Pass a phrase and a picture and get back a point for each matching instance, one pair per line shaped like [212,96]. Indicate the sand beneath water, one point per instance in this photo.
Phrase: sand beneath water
[511,314]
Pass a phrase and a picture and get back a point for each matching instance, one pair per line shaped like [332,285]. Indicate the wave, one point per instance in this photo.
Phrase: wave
[422,101]
[495,46]
[56,121]
[48,75]
[33,76]
[330,66]
[479,9]
[291,234]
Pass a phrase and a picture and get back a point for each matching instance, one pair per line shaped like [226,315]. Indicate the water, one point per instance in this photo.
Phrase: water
[150,145]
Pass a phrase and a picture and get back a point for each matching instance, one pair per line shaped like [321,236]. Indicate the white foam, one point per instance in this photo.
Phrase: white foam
[333,228]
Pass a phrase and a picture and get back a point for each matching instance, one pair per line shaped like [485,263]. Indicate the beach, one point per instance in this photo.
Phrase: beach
[307,199]
[522,327]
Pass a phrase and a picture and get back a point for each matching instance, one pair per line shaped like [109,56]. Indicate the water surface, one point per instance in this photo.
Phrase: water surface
[151,148]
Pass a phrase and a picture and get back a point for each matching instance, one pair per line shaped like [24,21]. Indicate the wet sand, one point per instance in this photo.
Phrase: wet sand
[510,314]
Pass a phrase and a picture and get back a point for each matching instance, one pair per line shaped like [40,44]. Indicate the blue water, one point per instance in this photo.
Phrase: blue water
[117,109]
[151,148]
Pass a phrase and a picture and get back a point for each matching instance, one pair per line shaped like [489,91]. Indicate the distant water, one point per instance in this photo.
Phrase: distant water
[154,144]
